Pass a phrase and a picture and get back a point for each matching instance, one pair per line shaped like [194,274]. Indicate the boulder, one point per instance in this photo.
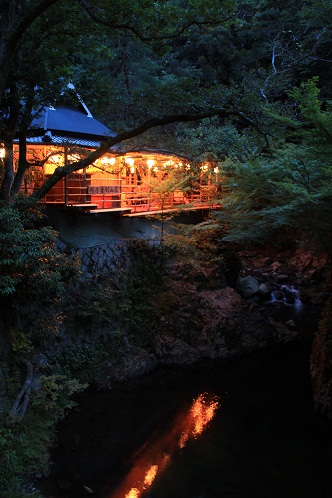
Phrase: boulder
[130,361]
[247,286]
[282,279]
[264,291]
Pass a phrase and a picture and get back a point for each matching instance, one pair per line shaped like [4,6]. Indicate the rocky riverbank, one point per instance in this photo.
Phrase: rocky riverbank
[205,318]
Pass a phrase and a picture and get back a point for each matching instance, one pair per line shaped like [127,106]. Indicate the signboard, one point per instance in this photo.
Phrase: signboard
[104,189]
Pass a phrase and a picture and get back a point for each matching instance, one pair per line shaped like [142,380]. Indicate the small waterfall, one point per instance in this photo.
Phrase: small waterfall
[289,295]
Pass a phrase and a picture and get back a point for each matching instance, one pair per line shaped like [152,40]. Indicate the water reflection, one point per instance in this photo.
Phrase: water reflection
[155,457]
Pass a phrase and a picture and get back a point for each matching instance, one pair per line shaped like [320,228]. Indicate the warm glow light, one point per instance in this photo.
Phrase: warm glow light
[130,161]
[157,455]
[108,160]
[2,153]
[150,475]
[56,159]
[155,169]
[132,170]
[201,413]
[74,157]
[188,166]
[216,170]
[168,163]
[150,162]
[133,493]
[205,167]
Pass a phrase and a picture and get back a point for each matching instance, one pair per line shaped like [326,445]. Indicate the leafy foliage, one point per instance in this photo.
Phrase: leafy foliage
[286,197]
[147,58]
[30,266]
[23,447]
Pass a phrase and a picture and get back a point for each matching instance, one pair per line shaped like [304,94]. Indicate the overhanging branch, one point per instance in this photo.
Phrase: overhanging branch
[110,142]
[91,11]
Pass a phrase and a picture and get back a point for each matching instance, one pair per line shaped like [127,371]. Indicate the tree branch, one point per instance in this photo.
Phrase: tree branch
[110,142]
[12,33]
[128,27]
[23,397]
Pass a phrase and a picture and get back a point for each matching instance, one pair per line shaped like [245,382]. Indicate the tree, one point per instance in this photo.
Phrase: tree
[16,18]
[31,269]
[285,197]
[143,52]
[24,21]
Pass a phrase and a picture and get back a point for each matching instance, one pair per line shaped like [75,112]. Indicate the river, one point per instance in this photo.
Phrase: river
[263,439]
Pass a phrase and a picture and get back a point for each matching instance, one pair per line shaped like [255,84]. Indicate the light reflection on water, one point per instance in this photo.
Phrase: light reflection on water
[155,456]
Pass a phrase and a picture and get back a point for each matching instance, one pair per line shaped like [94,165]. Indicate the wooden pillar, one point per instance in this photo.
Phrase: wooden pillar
[66,177]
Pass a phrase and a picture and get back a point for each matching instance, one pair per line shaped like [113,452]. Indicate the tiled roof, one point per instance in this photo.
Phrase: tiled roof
[57,140]
[70,121]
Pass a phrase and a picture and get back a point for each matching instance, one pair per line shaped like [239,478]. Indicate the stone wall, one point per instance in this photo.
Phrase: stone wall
[102,258]
[98,259]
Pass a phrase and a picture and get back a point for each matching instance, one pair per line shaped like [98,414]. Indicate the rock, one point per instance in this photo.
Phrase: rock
[131,362]
[264,291]
[247,286]
[290,324]
[283,334]
[278,295]
[88,490]
[290,296]
[220,324]
[282,278]
[174,351]
[275,266]
[321,371]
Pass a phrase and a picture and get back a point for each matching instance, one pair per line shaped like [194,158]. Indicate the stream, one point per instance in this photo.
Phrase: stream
[241,428]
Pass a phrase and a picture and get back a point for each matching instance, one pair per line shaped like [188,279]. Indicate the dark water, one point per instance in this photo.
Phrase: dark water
[265,440]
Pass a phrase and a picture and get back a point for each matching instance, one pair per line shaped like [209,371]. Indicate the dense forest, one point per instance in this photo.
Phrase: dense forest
[243,84]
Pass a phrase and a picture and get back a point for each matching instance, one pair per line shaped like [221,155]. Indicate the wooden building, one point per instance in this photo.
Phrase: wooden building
[116,197]
[133,183]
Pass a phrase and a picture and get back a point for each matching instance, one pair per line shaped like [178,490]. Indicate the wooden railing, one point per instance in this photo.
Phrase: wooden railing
[115,193]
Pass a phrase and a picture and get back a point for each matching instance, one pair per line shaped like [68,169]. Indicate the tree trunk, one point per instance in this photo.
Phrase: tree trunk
[11,126]
[9,171]
[7,320]
[22,161]
[21,403]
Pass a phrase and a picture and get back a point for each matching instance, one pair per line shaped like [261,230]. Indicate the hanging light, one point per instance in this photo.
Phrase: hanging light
[132,170]
[130,161]
[2,153]
[150,163]
[216,170]
[108,160]
[74,157]
[56,159]
[168,163]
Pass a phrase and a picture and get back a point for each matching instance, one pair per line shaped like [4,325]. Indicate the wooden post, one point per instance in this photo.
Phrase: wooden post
[66,177]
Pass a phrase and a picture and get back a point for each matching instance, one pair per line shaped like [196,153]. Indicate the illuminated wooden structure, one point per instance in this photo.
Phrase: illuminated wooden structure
[133,183]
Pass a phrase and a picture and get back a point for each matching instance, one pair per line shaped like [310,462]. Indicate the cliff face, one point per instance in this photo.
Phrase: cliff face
[205,314]
[311,275]
[321,363]
[205,318]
